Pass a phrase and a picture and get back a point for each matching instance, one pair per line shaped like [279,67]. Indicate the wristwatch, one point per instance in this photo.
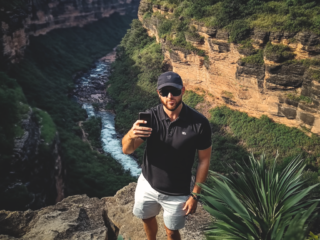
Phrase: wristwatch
[195,197]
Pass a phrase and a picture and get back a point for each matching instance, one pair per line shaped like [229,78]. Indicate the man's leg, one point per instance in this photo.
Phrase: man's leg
[172,234]
[150,227]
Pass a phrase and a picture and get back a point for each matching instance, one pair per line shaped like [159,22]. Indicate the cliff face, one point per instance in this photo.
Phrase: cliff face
[40,17]
[36,169]
[286,91]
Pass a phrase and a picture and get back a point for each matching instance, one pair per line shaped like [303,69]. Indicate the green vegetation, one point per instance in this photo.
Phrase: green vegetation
[277,52]
[48,128]
[45,75]
[134,76]
[10,97]
[239,16]
[254,59]
[93,127]
[315,75]
[235,133]
[301,98]
[192,99]
[257,202]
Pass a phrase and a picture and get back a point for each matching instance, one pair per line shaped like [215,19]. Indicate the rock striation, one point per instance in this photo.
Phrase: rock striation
[282,86]
[81,217]
[40,17]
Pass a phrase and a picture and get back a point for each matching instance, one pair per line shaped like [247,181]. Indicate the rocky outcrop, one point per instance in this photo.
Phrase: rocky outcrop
[249,85]
[40,17]
[76,217]
[81,217]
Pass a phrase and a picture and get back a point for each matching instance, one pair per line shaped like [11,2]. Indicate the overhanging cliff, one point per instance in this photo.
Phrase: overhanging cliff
[271,73]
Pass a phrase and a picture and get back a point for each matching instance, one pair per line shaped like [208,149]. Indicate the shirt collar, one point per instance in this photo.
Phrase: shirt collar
[182,115]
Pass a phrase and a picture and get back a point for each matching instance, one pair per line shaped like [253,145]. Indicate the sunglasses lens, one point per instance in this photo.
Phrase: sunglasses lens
[165,92]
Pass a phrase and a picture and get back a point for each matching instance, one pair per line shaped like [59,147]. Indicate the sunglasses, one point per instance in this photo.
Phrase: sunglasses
[164,92]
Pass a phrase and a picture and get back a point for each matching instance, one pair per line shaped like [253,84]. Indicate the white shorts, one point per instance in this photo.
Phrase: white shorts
[148,203]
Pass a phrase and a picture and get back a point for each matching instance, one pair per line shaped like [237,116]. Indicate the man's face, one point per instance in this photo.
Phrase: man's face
[171,102]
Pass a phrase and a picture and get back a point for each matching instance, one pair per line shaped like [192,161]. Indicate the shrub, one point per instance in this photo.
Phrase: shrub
[48,128]
[256,202]
[164,27]
[264,135]
[239,30]
[192,99]
[254,59]
[301,98]
[277,53]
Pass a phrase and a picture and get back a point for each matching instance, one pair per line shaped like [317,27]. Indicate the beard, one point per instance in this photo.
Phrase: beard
[171,107]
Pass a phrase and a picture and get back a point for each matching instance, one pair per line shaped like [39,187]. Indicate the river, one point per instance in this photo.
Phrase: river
[90,89]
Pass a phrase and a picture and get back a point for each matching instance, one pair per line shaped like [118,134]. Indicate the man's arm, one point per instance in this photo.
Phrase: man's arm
[132,140]
[203,167]
[202,172]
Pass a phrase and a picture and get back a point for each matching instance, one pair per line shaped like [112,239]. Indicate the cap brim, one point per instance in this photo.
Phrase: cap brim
[170,85]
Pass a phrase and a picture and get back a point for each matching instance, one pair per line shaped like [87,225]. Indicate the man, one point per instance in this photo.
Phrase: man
[176,132]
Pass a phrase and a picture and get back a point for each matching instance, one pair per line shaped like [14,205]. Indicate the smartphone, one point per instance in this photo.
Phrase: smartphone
[146,117]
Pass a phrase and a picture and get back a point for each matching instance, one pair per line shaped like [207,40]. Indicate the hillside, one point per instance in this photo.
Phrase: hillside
[258,57]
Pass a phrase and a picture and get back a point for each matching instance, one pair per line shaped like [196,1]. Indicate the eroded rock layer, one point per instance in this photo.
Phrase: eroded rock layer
[281,86]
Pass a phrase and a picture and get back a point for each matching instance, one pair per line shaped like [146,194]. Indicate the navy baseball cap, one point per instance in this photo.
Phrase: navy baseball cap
[169,79]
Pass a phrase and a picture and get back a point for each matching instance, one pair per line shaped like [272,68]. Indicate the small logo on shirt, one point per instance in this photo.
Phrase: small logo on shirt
[184,133]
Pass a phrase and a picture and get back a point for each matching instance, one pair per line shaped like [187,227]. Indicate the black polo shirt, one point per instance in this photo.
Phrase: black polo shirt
[171,148]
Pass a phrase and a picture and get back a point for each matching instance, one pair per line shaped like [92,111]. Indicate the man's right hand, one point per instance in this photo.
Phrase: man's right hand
[138,132]
[132,140]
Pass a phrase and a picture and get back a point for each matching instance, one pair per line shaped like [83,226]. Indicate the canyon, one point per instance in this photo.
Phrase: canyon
[40,17]
[274,88]
[36,170]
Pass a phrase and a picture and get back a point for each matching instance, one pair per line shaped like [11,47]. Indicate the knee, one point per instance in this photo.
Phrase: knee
[172,233]
[149,220]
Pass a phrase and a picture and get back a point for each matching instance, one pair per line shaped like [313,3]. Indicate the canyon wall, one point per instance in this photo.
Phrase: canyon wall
[36,172]
[40,17]
[286,91]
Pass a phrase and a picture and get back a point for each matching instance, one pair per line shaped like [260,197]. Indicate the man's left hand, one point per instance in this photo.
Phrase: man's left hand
[190,205]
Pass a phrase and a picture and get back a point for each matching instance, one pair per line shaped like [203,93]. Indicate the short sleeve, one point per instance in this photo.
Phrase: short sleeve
[204,139]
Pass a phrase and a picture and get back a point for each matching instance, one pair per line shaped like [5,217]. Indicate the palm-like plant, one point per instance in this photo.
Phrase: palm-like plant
[258,203]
